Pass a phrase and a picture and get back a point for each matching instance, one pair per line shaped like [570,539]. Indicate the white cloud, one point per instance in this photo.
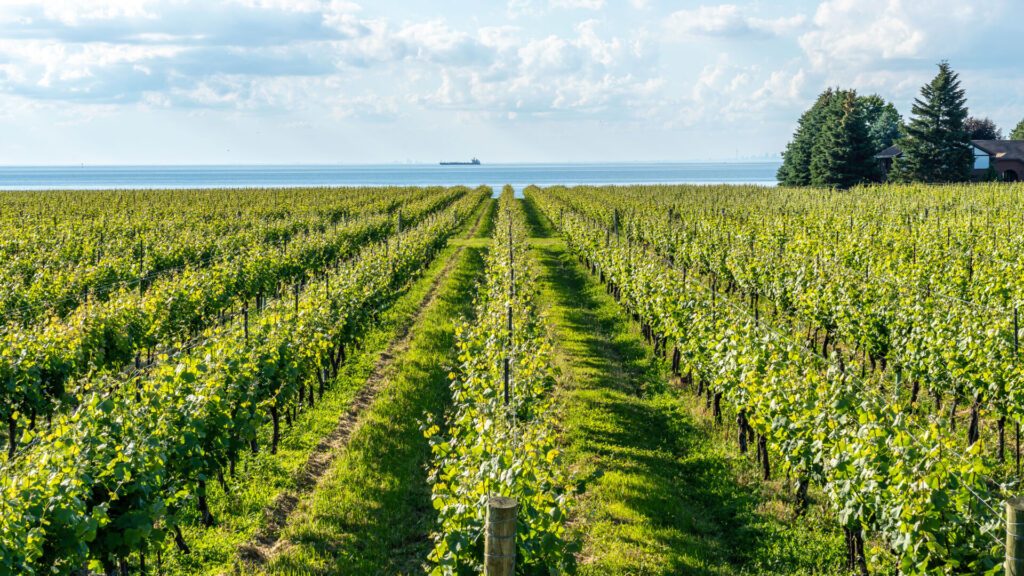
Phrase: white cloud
[319,55]
[731,92]
[587,73]
[578,4]
[435,41]
[555,54]
[37,65]
[781,85]
[73,12]
[500,37]
[862,32]
[285,5]
[727,20]
[607,53]
[549,77]
[339,60]
[325,7]
[518,8]
[550,55]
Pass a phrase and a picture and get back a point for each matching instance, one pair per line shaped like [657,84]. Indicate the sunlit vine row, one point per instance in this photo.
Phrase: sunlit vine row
[58,249]
[498,438]
[39,363]
[897,476]
[110,481]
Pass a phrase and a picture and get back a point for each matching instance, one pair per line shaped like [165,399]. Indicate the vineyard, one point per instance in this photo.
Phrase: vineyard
[660,379]
[867,343]
[104,450]
[498,438]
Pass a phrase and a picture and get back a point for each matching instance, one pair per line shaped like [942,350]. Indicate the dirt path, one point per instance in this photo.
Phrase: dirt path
[265,544]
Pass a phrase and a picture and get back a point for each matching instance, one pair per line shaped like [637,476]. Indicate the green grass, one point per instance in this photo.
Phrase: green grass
[260,478]
[372,513]
[472,242]
[539,224]
[661,493]
[487,225]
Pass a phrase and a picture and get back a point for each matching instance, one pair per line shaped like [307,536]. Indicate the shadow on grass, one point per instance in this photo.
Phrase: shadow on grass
[372,514]
[486,228]
[656,500]
[540,226]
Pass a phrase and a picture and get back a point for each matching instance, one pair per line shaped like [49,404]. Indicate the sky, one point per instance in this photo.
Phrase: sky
[339,81]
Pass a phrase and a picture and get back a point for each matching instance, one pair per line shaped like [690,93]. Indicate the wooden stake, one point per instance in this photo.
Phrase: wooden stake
[1015,537]
[500,542]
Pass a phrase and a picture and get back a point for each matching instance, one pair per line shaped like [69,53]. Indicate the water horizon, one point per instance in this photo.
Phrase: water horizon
[496,175]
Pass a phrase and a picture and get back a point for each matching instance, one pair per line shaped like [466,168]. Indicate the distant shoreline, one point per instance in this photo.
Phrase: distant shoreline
[398,164]
[367,175]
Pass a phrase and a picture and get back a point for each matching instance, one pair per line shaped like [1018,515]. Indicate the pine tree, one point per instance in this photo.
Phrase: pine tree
[843,155]
[937,148]
[862,165]
[796,160]
[884,122]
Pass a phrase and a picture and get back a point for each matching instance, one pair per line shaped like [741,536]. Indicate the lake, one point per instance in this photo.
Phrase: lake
[495,175]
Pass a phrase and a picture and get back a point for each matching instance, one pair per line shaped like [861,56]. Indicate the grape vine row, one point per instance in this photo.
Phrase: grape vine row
[110,479]
[783,304]
[498,438]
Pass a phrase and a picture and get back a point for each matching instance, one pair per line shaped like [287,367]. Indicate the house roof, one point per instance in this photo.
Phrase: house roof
[999,149]
[1002,149]
[890,152]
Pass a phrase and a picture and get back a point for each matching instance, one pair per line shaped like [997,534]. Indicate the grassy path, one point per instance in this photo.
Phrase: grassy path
[265,544]
[371,511]
[267,487]
[660,493]
[383,369]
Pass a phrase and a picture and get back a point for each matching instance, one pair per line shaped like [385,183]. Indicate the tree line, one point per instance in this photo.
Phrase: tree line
[836,140]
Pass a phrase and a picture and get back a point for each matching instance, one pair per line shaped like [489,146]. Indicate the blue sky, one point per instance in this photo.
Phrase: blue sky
[338,81]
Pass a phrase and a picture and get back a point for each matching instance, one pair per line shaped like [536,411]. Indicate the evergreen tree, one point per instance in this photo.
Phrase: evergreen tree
[796,160]
[937,148]
[843,155]
[1018,132]
[884,122]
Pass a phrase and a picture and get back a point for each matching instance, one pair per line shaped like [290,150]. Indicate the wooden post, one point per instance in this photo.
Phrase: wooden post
[500,542]
[1015,537]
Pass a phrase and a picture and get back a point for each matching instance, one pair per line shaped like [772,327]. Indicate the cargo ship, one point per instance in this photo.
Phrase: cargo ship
[473,162]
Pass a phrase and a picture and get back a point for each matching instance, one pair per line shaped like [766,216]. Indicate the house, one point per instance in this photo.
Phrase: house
[1002,158]
[1006,157]
[886,157]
